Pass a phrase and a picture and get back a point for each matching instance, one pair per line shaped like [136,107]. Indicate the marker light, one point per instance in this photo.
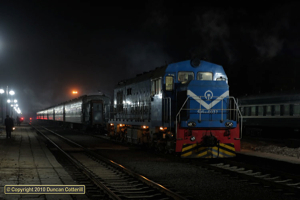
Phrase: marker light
[228,124]
[193,138]
[191,124]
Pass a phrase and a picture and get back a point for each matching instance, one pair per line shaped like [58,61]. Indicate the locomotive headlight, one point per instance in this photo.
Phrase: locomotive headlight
[193,138]
[228,124]
[191,124]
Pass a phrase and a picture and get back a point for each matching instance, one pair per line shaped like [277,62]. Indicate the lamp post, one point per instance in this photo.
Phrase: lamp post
[2,108]
[11,93]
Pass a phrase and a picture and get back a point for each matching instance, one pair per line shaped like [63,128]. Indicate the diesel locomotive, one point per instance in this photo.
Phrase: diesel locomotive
[85,112]
[182,107]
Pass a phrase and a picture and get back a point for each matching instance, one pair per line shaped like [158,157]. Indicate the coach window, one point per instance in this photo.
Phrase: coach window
[277,110]
[242,110]
[286,109]
[169,83]
[268,110]
[253,110]
[296,110]
[246,109]
[204,76]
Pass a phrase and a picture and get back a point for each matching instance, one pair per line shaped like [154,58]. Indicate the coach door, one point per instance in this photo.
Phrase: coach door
[97,112]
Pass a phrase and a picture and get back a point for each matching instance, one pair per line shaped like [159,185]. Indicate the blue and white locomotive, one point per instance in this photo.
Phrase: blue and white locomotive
[183,107]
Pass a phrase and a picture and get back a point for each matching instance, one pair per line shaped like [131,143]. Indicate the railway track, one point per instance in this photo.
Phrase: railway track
[105,178]
[279,181]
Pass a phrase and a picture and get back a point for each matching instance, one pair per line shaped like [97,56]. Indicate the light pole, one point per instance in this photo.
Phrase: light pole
[1,99]
[11,93]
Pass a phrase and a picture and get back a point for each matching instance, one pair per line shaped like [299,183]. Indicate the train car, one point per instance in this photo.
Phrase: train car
[273,115]
[182,107]
[88,111]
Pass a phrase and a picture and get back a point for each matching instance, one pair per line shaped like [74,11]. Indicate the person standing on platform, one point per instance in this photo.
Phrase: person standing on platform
[18,121]
[9,123]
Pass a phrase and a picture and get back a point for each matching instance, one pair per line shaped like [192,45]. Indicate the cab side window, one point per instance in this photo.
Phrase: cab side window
[204,76]
[185,77]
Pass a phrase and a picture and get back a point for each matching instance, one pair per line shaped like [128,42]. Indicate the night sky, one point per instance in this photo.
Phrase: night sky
[49,49]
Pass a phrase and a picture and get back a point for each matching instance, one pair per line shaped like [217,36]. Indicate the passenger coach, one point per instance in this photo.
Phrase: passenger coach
[88,111]
[274,115]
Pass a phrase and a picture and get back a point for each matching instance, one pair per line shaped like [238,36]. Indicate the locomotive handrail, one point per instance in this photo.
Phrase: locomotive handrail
[238,114]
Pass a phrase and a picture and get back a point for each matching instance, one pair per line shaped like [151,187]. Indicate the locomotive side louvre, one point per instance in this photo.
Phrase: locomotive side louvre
[179,93]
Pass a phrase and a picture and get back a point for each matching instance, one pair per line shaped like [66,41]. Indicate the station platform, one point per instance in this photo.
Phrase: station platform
[272,156]
[278,152]
[25,160]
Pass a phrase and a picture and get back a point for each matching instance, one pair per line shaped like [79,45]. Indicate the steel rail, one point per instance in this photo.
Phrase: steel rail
[85,170]
[141,178]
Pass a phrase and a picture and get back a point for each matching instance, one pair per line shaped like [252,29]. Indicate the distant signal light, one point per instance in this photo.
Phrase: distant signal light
[75,92]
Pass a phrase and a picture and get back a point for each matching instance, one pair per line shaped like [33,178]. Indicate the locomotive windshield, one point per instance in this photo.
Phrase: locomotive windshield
[204,76]
[185,77]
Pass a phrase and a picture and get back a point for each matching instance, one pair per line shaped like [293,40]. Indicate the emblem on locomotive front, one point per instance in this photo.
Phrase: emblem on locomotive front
[208,95]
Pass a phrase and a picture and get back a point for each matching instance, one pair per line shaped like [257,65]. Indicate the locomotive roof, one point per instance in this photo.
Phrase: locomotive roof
[156,73]
[83,97]
[160,71]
